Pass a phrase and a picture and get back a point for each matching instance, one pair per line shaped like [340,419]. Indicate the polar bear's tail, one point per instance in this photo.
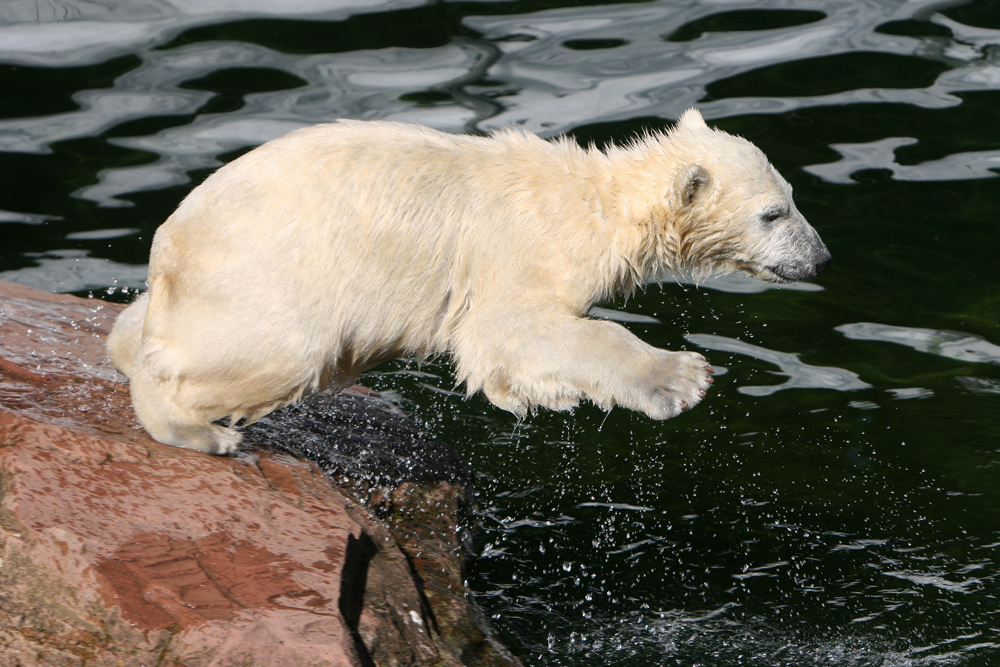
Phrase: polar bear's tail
[125,336]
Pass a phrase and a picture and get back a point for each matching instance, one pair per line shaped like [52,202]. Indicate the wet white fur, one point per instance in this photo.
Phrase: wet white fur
[322,253]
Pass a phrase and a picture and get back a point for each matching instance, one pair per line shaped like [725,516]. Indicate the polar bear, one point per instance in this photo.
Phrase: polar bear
[329,250]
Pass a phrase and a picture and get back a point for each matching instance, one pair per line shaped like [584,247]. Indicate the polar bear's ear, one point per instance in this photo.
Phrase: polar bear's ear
[691,183]
[692,120]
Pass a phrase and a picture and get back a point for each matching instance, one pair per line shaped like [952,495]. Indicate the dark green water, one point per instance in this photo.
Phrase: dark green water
[836,498]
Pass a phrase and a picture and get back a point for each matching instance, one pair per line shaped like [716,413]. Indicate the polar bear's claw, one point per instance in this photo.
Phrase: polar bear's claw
[679,381]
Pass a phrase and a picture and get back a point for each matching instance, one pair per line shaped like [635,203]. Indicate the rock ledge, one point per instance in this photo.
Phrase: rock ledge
[118,551]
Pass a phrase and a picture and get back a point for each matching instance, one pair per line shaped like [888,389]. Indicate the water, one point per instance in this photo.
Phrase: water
[833,501]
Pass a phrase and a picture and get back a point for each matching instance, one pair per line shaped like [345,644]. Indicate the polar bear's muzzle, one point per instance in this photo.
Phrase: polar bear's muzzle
[792,273]
[795,252]
[802,261]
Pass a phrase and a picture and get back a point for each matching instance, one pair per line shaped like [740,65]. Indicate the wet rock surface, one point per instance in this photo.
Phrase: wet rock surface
[359,436]
[334,539]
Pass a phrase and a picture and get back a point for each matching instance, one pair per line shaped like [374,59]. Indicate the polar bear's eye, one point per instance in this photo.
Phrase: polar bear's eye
[773,213]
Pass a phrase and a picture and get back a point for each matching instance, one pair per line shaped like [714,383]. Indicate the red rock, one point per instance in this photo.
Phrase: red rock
[119,551]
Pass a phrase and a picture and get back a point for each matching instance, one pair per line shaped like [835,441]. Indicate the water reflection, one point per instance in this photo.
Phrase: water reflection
[980,385]
[648,76]
[740,283]
[881,155]
[73,271]
[922,579]
[800,375]
[520,71]
[621,316]
[70,32]
[950,344]
[25,218]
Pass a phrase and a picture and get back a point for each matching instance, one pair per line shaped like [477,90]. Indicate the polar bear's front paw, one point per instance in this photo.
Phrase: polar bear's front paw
[676,382]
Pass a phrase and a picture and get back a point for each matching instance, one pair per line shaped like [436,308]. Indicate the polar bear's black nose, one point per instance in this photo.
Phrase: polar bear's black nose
[823,264]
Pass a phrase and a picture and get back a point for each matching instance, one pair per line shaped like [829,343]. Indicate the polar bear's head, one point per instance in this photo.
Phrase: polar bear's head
[725,208]
[734,211]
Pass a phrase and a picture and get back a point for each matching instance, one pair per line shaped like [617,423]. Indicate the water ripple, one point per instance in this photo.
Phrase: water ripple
[881,155]
[950,344]
[518,71]
[800,375]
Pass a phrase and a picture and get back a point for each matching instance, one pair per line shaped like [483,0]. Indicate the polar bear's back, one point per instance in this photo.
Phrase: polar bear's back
[397,208]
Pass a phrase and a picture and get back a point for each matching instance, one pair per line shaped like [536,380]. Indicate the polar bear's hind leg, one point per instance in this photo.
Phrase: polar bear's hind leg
[126,335]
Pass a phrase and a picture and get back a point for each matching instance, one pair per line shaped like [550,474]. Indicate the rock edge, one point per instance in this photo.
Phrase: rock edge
[118,551]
